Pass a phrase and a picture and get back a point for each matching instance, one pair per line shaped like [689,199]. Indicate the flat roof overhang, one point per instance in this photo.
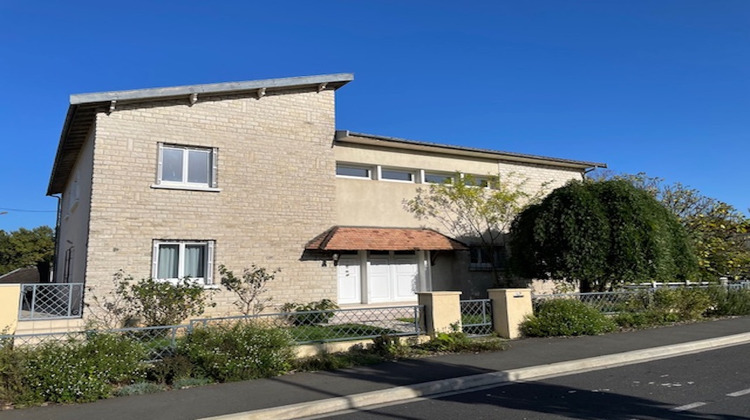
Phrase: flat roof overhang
[348,137]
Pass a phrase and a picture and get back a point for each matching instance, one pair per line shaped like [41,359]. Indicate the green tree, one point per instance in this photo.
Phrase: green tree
[718,230]
[249,288]
[24,248]
[474,209]
[600,234]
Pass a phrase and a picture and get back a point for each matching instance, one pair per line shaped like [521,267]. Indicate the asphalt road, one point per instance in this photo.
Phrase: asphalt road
[708,385]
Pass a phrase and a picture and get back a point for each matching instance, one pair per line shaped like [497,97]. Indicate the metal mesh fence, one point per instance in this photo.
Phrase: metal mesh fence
[303,327]
[476,317]
[159,342]
[53,300]
[334,325]
[637,300]
[605,302]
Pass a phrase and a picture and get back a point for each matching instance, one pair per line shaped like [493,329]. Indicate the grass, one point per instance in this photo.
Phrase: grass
[407,320]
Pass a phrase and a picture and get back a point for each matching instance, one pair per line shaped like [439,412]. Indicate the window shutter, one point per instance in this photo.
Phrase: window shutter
[160,160]
[210,263]
[214,167]
[155,261]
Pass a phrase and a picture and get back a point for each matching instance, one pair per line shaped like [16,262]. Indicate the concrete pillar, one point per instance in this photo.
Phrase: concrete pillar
[509,307]
[10,295]
[441,309]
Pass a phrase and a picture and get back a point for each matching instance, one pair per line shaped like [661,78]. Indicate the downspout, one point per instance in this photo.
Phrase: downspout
[57,238]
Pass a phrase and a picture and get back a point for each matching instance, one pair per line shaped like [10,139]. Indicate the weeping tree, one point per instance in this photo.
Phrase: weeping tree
[719,231]
[600,234]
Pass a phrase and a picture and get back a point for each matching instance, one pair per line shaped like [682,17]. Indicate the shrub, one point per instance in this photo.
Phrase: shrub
[645,318]
[12,386]
[566,317]
[320,312]
[388,346]
[161,302]
[687,303]
[239,352]
[457,342]
[731,302]
[170,369]
[81,371]
[454,341]
[333,361]
[140,388]
[664,306]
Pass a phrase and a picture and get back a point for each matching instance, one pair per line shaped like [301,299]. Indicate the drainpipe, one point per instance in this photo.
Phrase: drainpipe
[57,239]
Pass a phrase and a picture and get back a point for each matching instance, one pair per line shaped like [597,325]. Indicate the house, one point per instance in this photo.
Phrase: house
[172,182]
[25,275]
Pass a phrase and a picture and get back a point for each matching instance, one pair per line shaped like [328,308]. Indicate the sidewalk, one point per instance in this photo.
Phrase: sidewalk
[219,399]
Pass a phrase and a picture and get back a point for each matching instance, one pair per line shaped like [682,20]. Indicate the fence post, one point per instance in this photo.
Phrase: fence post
[442,310]
[70,300]
[509,308]
[9,307]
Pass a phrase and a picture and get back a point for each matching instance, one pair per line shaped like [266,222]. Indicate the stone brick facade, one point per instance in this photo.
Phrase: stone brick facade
[275,175]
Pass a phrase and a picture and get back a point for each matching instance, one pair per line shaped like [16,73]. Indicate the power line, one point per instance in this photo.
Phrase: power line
[27,210]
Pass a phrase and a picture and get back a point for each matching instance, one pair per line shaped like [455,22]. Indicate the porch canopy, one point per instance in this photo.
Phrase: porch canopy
[341,238]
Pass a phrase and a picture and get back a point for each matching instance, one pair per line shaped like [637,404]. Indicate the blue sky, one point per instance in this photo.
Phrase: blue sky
[656,86]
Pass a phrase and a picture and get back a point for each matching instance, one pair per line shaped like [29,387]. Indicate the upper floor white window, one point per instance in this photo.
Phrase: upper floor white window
[353,171]
[391,174]
[176,260]
[476,181]
[438,178]
[187,166]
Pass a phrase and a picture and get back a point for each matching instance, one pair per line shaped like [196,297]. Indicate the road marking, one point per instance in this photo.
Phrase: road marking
[689,406]
[739,393]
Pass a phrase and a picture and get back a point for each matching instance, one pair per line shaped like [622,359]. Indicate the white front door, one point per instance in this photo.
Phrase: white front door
[392,277]
[349,279]
[379,278]
[404,277]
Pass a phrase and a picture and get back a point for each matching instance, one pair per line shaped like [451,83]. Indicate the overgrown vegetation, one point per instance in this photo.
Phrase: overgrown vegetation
[238,352]
[69,371]
[566,317]
[102,365]
[147,302]
[729,302]
[666,306]
[644,309]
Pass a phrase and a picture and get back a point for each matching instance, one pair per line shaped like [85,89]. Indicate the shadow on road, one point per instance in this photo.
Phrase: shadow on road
[519,400]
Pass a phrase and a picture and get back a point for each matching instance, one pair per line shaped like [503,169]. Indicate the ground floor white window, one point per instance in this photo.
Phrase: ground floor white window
[175,260]
[382,276]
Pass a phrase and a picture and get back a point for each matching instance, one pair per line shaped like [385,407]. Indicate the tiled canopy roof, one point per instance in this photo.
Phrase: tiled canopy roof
[339,238]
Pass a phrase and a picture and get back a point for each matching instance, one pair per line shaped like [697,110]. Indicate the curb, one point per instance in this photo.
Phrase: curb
[468,383]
